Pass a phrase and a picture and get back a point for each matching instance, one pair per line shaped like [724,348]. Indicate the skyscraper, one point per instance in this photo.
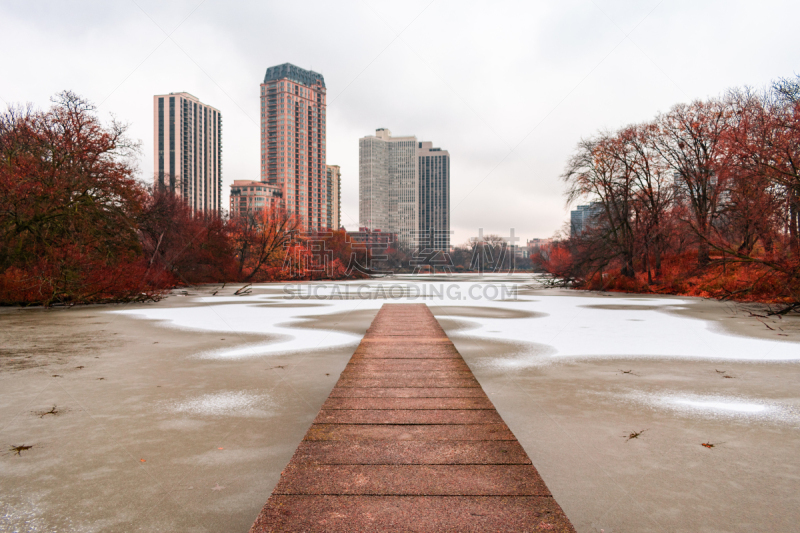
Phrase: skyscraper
[188,149]
[434,195]
[293,141]
[387,179]
[334,185]
[404,188]
[373,183]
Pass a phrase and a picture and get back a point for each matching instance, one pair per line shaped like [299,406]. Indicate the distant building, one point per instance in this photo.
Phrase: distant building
[539,246]
[404,188]
[371,238]
[539,252]
[334,197]
[188,149]
[534,244]
[684,190]
[254,196]
[583,216]
[293,141]
[519,252]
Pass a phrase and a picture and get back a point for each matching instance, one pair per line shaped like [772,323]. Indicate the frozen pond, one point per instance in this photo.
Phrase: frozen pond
[554,327]
[544,328]
[642,413]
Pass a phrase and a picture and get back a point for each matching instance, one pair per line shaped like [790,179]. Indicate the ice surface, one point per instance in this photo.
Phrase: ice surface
[560,327]
[253,315]
[226,403]
[715,406]
[568,326]
[732,406]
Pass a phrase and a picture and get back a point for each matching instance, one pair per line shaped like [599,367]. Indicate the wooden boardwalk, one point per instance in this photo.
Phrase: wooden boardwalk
[408,441]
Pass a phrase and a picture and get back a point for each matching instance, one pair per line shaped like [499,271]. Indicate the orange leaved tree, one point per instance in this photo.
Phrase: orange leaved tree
[68,203]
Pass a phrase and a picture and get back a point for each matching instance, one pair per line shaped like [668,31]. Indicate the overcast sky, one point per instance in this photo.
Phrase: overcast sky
[508,88]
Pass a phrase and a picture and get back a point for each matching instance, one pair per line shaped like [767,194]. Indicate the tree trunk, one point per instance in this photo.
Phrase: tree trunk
[794,219]
[703,253]
[627,269]
[658,261]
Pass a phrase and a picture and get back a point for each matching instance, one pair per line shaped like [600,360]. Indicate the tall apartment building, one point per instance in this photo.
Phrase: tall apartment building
[404,188]
[388,183]
[188,149]
[293,141]
[434,194]
[334,184]
[373,183]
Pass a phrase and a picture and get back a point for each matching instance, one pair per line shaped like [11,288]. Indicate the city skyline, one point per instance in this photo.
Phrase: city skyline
[567,71]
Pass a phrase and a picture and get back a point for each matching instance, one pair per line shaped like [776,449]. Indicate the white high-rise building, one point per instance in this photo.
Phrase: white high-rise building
[404,188]
[374,202]
[188,149]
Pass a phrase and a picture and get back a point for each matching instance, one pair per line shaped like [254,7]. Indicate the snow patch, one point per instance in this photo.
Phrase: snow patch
[227,403]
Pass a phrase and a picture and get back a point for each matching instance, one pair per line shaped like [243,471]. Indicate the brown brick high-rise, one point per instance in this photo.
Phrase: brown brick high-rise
[293,141]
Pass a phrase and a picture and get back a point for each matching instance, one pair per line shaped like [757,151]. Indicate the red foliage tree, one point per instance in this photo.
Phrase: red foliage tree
[259,240]
[711,188]
[689,140]
[68,203]
[190,247]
